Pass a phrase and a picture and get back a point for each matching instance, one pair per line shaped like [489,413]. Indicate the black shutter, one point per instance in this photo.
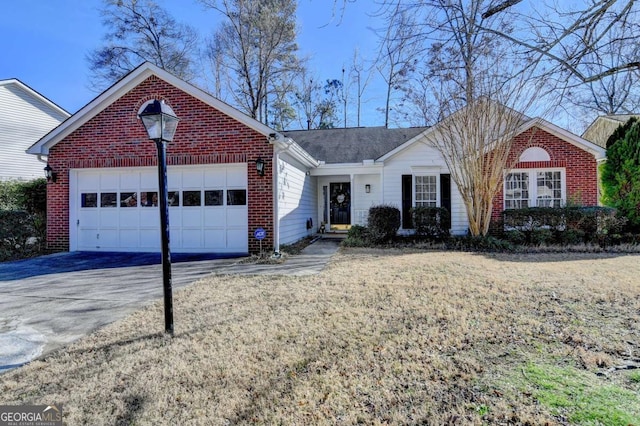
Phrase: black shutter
[445,196]
[407,201]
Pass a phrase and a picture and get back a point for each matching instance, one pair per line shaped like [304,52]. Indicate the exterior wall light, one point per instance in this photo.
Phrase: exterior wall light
[161,122]
[260,166]
[367,188]
[50,174]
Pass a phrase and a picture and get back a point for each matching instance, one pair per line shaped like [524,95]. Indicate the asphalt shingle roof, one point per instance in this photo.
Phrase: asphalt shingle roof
[352,145]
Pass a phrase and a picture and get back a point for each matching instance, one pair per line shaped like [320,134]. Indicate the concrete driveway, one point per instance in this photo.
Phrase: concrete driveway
[50,301]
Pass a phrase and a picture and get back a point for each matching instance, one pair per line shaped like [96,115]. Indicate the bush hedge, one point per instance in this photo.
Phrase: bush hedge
[431,222]
[23,207]
[567,225]
[383,223]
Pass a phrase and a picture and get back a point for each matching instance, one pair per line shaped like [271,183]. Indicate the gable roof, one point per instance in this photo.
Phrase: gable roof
[603,126]
[59,112]
[123,86]
[597,151]
[352,145]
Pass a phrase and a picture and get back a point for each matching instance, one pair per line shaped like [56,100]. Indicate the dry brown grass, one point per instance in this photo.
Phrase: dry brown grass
[380,337]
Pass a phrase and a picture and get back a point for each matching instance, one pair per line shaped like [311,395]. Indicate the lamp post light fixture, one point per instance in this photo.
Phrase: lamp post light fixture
[161,122]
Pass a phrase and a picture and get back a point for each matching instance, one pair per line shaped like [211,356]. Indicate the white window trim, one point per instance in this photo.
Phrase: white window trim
[533,184]
[413,187]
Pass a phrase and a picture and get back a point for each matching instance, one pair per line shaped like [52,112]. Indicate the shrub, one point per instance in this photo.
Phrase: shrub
[430,222]
[18,236]
[479,243]
[357,237]
[567,225]
[384,222]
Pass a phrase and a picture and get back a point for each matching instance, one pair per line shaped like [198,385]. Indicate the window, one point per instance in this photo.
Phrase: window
[108,199]
[89,199]
[426,191]
[191,198]
[548,190]
[516,191]
[236,197]
[213,197]
[148,199]
[173,198]
[128,199]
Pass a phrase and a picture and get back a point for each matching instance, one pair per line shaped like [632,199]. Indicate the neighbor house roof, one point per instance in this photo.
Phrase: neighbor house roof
[351,145]
[603,127]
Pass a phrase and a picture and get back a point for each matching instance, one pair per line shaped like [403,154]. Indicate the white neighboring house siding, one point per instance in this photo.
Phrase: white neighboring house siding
[25,117]
[415,160]
[297,197]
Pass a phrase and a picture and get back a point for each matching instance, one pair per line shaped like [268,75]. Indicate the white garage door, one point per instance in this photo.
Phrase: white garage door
[116,209]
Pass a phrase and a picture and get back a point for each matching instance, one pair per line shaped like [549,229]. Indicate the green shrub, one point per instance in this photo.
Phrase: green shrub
[383,223]
[480,243]
[357,237]
[566,225]
[431,222]
[19,237]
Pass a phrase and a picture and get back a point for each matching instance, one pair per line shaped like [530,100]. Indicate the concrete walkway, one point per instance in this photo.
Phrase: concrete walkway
[50,301]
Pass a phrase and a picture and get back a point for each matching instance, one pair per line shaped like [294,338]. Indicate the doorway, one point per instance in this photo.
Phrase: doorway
[340,205]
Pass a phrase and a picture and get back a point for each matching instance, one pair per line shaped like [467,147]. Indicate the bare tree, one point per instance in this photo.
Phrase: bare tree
[255,46]
[361,76]
[397,53]
[138,31]
[480,100]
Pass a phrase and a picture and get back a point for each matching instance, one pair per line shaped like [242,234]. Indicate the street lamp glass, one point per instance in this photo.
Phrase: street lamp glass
[159,120]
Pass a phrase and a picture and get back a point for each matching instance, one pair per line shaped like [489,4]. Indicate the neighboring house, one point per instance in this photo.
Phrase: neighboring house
[104,160]
[602,127]
[25,117]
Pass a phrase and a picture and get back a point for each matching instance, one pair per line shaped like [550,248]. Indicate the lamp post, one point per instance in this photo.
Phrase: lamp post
[161,122]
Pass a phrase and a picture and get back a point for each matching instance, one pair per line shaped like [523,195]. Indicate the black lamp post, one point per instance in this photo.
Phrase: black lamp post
[161,122]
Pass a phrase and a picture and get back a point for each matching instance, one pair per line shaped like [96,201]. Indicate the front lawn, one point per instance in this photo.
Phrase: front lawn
[379,337]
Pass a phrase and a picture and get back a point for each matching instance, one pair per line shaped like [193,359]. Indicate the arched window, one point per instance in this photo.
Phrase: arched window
[534,153]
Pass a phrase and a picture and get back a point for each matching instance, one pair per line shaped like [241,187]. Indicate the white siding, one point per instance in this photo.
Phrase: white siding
[362,200]
[24,119]
[420,157]
[296,202]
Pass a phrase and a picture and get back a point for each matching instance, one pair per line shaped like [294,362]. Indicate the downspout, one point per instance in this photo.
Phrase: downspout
[276,203]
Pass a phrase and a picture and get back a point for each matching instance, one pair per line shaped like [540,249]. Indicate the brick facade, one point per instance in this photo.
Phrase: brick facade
[116,138]
[580,166]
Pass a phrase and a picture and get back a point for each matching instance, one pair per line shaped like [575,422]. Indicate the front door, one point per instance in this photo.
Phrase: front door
[340,204]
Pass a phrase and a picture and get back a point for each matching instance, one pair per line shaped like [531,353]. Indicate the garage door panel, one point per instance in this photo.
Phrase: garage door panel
[192,217]
[192,238]
[149,239]
[236,217]
[129,218]
[102,220]
[88,219]
[108,239]
[149,181]
[89,182]
[215,237]
[215,217]
[129,238]
[130,181]
[237,177]
[108,218]
[237,240]
[215,178]
[108,181]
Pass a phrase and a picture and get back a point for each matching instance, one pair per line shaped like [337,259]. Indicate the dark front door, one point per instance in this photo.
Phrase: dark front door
[340,203]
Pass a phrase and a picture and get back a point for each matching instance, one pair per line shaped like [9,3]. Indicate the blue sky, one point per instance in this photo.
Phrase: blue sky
[45,43]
